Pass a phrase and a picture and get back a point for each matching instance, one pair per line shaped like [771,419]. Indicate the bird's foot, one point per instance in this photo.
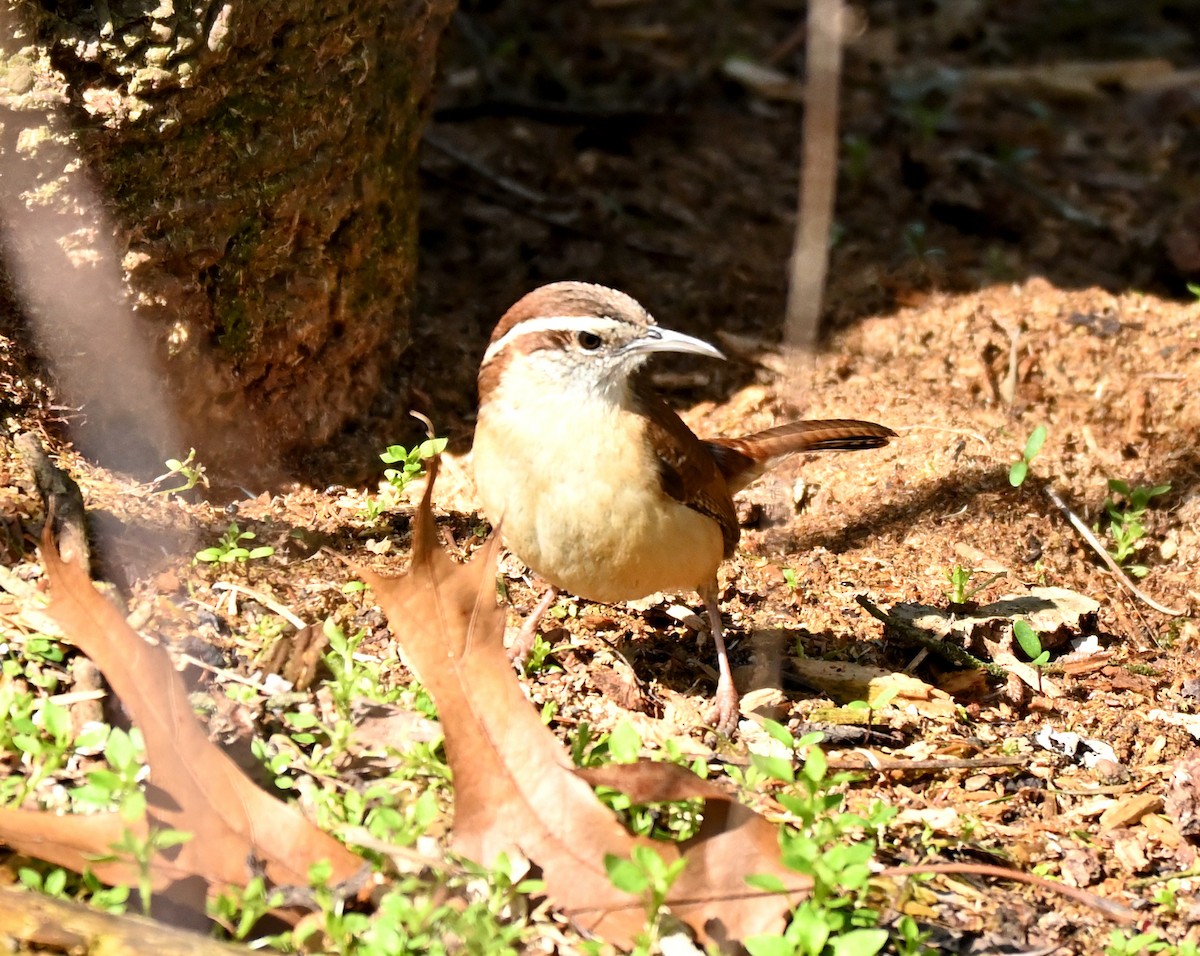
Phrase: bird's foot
[522,645]
[726,708]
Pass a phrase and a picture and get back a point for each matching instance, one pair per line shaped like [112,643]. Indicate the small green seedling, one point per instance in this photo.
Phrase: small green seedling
[411,462]
[1030,642]
[1123,516]
[790,579]
[648,875]
[230,549]
[1194,289]
[1020,468]
[917,243]
[189,470]
[540,656]
[960,580]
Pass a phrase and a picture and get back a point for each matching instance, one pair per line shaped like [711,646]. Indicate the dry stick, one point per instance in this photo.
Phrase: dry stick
[69,926]
[1102,552]
[481,169]
[818,178]
[903,766]
[1111,908]
[944,649]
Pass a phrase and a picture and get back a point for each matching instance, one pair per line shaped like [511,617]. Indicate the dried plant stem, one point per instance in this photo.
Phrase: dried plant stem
[818,177]
[1102,552]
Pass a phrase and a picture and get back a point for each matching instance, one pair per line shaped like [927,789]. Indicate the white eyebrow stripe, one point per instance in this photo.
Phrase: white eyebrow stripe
[552,323]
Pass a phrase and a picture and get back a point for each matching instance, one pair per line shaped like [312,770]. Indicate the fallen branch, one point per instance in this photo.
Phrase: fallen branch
[943,649]
[66,926]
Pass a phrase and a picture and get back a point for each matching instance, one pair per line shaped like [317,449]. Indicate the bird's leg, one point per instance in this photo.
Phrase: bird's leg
[726,699]
[521,647]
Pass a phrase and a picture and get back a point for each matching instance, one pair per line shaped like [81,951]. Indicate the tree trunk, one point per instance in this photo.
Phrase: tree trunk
[257,163]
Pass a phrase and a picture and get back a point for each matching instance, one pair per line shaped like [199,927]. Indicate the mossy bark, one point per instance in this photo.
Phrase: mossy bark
[257,161]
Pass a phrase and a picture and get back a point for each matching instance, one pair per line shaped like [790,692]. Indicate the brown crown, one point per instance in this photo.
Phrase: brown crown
[572,298]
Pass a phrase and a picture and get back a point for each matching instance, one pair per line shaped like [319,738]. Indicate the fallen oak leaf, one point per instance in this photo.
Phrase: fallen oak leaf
[236,828]
[733,842]
[515,786]
[76,842]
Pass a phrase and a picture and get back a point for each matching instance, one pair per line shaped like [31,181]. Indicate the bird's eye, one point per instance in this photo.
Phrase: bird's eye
[589,340]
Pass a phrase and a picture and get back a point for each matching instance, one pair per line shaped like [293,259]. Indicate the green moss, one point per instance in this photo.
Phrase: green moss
[234,327]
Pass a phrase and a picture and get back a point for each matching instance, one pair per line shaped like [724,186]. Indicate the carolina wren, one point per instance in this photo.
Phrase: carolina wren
[595,483]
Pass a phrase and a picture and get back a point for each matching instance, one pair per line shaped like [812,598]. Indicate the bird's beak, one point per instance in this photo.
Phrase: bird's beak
[658,339]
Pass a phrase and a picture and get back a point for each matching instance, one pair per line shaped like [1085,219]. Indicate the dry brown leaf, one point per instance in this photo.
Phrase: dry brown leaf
[237,829]
[72,841]
[733,842]
[845,682]
[515,787]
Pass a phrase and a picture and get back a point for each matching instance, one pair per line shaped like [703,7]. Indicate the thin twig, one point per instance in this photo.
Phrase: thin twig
[1110,908]
[1062,207]
[957,763]
[481,169]
[265,601]
[225,674]
[1102,552]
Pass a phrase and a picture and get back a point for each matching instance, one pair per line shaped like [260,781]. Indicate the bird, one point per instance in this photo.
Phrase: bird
[594,482]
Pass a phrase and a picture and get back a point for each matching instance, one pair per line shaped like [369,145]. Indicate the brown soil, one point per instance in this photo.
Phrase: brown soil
[982,221]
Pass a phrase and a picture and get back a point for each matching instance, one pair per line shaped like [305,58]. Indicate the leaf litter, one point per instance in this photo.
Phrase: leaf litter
[236,829]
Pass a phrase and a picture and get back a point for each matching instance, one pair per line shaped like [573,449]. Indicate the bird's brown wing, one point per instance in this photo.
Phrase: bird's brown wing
[687,470]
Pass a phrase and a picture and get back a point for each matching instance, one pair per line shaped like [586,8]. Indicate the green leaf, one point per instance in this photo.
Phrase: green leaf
[164,839]
[778,732]
[777,768]
[56,719]
[767,882]
[107,781]
[433,446]
[624,743]
[809,929]
[1028,638]
[263,552]
[768,946]
[1037,438]
[884,697]
[119,751]
[859,942]
[1017,473]
[301,719]
[815,765]
[55,882]
[30,878]
[625,875]
[209,555]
